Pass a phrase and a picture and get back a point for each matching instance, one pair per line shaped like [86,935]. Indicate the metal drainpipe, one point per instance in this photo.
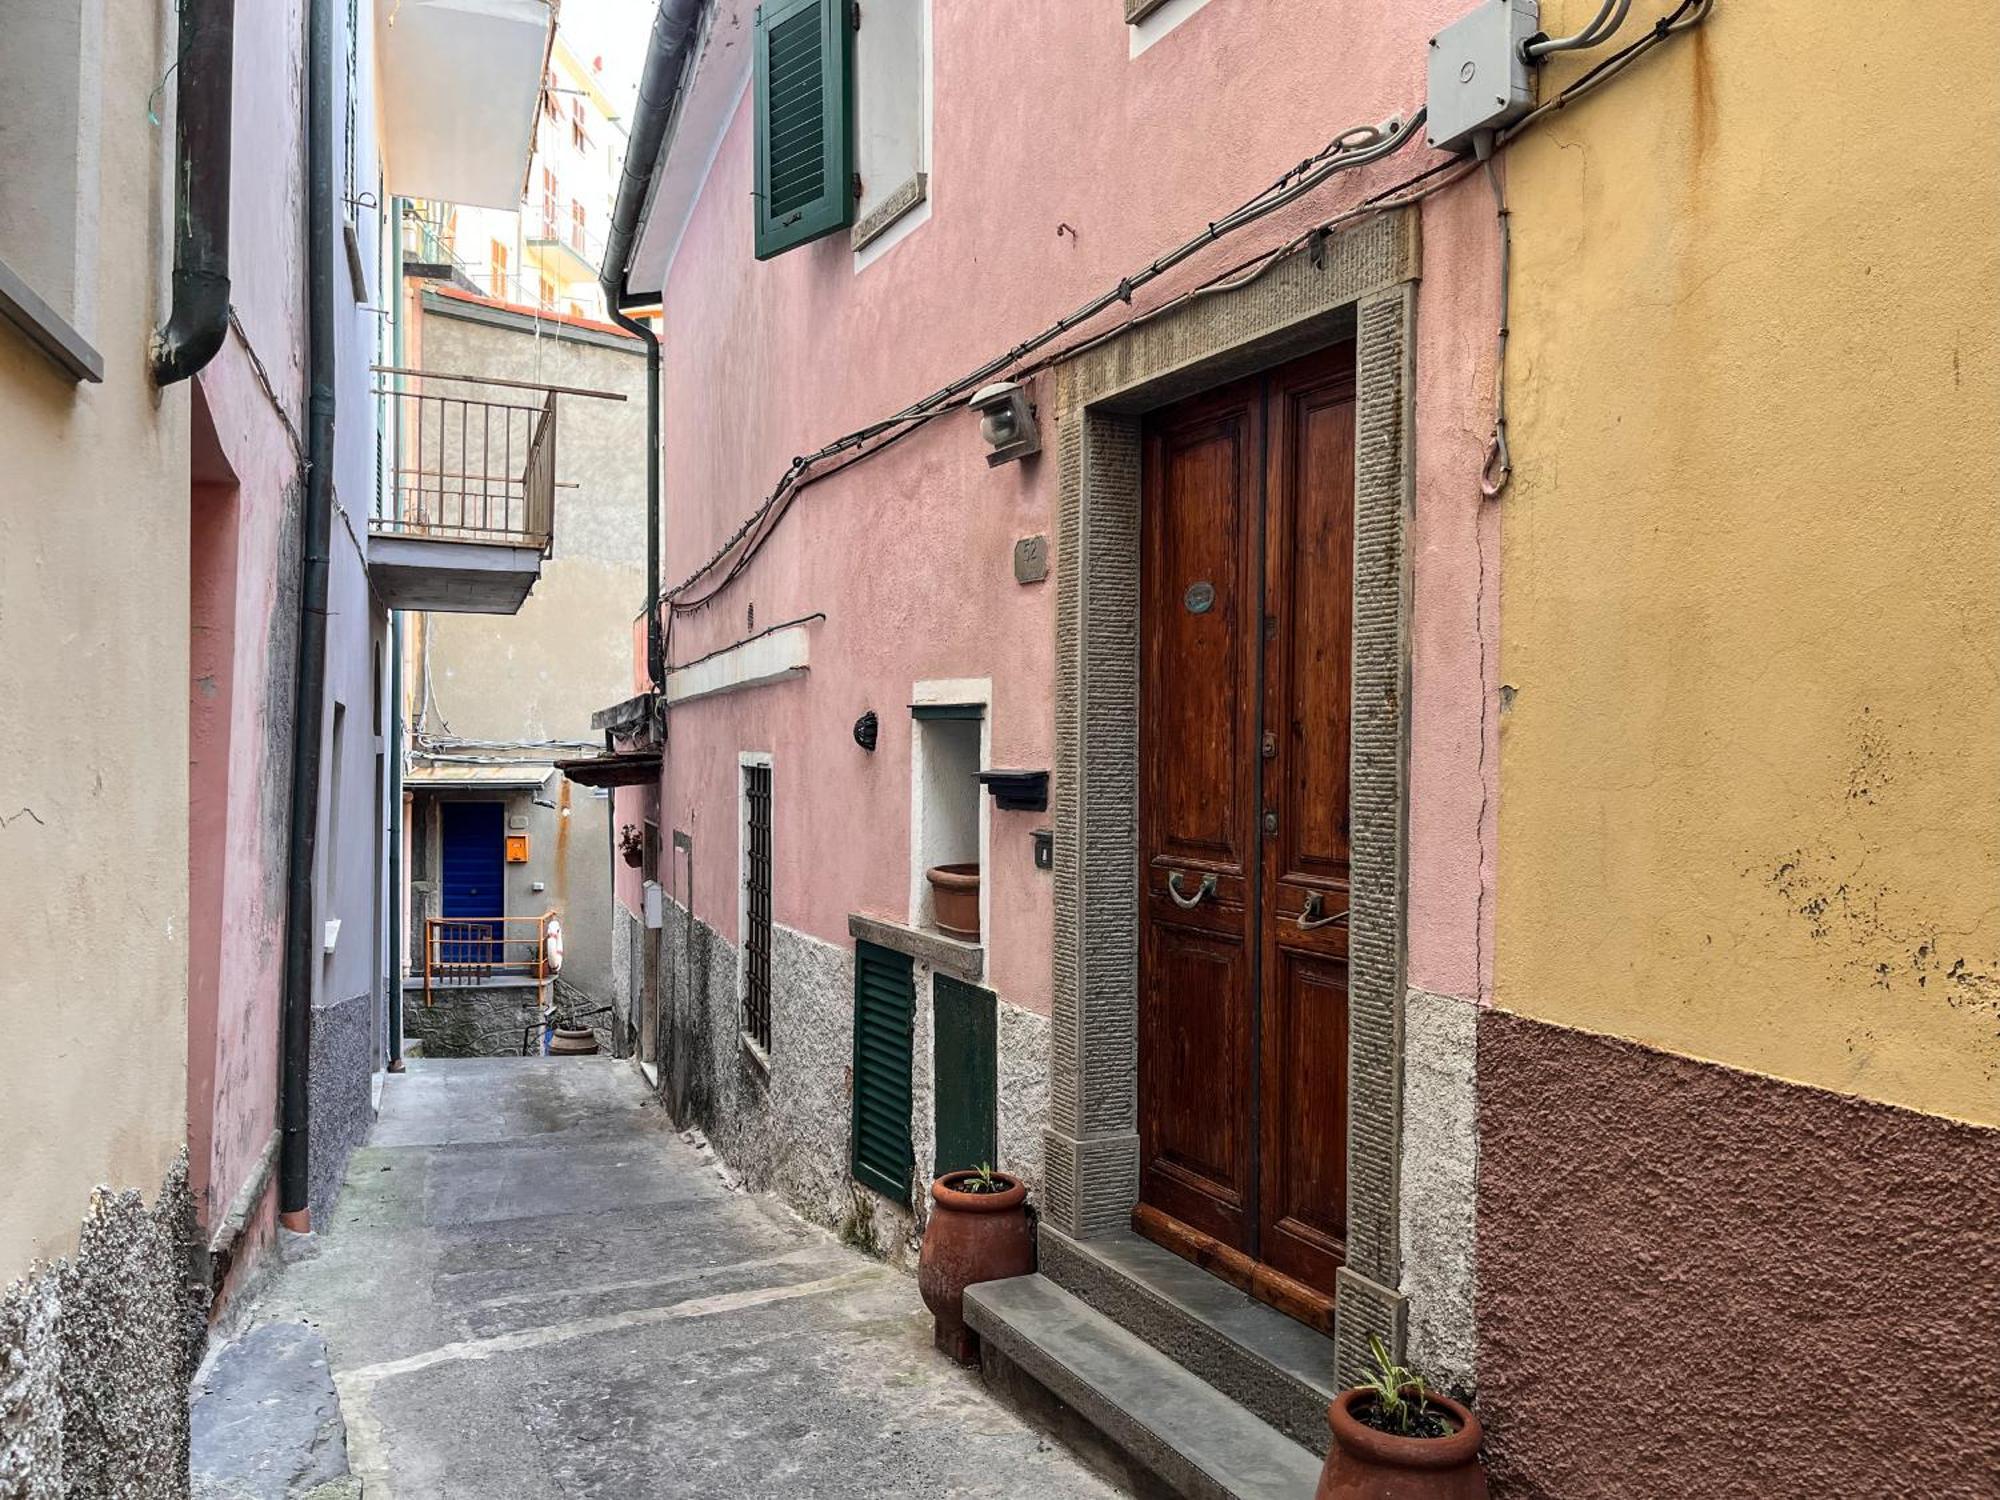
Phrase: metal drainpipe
[397,906]
[301,947]
[199,318]
[667,49]
[655,645]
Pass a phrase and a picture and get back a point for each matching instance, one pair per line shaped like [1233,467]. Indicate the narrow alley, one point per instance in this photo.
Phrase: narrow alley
[1236,749]
[532,1287]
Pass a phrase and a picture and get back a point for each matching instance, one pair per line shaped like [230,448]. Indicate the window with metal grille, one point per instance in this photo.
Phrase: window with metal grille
[757,905]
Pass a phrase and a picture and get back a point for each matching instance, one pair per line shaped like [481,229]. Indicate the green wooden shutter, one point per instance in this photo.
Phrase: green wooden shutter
[884,1010]
[965,1024]
[805,130]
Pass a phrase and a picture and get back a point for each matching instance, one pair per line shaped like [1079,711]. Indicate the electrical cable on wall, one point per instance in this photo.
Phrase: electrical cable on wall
[1353,148]
[1356,147]
[1499,465]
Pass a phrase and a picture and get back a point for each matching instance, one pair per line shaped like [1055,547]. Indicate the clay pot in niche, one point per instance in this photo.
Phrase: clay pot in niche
[971,1237]
[955,900]
[1366,1463]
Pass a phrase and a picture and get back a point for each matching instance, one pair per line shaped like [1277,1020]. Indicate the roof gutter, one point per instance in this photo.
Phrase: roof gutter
[674,26]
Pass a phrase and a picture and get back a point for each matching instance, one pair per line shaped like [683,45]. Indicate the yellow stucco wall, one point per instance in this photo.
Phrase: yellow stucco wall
[94,559]
[1750,776]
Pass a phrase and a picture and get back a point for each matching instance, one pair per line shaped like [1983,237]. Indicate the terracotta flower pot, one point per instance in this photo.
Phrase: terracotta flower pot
[573,1041]
[955,900]
[971,1237]
[1365,1464]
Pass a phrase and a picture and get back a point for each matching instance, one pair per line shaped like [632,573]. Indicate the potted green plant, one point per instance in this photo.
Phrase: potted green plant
[1394,1438]
[978,1231]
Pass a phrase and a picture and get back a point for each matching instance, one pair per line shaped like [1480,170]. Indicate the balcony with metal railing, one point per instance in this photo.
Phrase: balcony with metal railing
[471,512]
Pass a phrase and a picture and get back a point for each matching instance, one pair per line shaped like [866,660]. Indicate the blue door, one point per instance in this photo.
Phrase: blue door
[475,876]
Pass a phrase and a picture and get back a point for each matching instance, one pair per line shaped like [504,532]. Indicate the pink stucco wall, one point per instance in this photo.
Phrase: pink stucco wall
[241,682]
[1040,118]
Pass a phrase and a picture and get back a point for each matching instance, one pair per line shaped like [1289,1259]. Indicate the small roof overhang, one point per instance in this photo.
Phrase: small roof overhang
[446,775]
[620,768]
[461,88]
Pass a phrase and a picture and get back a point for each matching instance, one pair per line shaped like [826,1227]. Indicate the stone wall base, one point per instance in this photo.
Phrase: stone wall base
[782,1123]
[97,1352]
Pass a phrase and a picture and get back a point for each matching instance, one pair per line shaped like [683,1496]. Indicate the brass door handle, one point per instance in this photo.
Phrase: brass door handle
[1309,914]
[1184,902]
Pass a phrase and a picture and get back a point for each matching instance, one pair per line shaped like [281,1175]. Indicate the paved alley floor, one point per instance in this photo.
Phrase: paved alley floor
[532,1287]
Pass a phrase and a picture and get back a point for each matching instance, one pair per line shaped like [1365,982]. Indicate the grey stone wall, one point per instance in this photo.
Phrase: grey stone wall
[1439,1177]
[472,1020]
[785,1130]
[341,1067]
[625,972]
[97,1352]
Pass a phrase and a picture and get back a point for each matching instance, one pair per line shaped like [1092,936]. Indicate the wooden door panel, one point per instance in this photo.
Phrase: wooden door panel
[1246,603]
[1303,1155]
[1198,713]
[1200,567]
[1311,565]
[1195,1057]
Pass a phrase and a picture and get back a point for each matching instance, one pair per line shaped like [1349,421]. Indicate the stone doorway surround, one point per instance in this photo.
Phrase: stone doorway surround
[1361,283]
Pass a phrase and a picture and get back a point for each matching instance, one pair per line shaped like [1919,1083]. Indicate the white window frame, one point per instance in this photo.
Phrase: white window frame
[908,207]
[977,690]
[1147,21]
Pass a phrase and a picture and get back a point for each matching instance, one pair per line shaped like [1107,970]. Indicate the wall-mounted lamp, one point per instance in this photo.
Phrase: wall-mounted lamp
[865,730]
[1006,421]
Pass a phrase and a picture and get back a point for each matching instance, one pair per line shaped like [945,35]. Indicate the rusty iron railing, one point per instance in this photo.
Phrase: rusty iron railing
[462,951]
[473,471]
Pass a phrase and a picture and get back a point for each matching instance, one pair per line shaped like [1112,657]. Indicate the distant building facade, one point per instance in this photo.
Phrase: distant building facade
[493,702]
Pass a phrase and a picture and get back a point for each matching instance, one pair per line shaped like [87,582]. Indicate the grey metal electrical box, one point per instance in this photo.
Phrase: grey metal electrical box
[1479,78]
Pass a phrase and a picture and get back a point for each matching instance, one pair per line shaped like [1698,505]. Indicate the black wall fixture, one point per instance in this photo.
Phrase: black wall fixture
[865,729]
[1017,791]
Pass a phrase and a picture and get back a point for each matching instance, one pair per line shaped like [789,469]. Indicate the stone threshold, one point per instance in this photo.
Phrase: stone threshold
[1276,1367]
[1159,1414]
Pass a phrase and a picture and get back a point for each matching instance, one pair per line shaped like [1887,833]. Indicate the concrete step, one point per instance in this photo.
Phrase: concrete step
[1165,1418]
[1281,1370]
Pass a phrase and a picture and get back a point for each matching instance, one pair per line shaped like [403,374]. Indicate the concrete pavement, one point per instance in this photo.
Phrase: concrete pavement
[534,1288]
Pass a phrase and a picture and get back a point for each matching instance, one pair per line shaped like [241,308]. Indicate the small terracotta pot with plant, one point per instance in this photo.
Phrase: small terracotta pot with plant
[978,1231]
[1394,1438]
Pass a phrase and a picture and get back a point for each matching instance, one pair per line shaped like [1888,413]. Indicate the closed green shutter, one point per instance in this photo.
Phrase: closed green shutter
[965,1024]
[884,1010]
[805,131]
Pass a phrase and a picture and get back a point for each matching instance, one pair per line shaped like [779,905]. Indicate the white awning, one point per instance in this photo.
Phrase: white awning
[461,86]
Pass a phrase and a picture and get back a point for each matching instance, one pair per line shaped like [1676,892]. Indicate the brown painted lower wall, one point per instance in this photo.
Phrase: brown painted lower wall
[1700,1282]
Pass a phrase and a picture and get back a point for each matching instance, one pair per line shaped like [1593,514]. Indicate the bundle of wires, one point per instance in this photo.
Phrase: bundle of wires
[1351,149]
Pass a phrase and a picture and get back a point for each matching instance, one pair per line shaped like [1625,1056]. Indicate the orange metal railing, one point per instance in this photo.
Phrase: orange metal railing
[478,950]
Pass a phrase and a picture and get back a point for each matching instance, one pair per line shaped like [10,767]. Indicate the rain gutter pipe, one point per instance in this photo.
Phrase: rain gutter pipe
[301,938]
[667,53]
[198,320]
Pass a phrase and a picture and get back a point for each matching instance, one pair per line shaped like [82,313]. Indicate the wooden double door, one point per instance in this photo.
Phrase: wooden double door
[1246,626]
